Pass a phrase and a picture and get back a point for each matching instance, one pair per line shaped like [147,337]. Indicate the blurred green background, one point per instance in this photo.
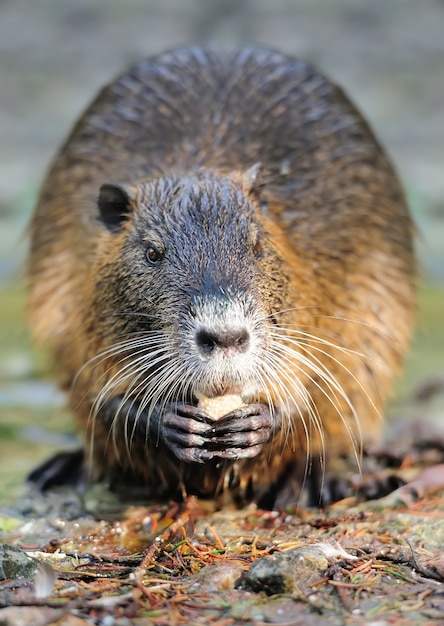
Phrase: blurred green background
[55,54]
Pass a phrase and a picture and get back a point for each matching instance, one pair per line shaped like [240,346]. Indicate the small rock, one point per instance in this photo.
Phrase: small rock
[16,564]
[217,577]
[287,572]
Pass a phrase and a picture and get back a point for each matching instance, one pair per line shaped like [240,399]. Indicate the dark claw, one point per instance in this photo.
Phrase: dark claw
[191,455]
[188,425]
[242,433]
[250,418]
[239,440]
[236,453]
[183,428]
[190,412]
[183,439]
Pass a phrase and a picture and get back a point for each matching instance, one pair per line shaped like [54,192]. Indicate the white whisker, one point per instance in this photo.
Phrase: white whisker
[334,389]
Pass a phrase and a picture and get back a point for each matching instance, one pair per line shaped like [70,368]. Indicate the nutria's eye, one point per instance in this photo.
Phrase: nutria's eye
[153,255]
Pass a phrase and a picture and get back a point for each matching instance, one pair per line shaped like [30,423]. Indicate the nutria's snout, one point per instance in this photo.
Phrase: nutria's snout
[223,345]
[224,340]
[228,341]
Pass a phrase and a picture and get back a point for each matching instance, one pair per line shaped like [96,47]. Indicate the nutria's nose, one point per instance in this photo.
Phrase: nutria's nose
[228,341]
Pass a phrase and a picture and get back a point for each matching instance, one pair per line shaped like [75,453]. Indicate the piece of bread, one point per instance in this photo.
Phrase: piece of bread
[219,406]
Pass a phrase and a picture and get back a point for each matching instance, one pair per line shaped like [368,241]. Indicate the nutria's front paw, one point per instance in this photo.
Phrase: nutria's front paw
[194,437]
[183,430]
[242,433]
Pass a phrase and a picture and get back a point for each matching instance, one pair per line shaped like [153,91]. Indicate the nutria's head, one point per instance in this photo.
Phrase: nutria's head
[186,286]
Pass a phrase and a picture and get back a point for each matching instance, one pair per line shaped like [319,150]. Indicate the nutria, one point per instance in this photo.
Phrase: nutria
[222,224]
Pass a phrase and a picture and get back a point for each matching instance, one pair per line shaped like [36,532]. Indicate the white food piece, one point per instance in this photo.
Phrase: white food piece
[219,406]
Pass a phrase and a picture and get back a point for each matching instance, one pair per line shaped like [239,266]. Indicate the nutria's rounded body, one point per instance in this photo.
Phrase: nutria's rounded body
[222,224]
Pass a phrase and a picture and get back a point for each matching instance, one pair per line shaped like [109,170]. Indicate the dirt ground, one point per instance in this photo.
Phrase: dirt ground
[378,562]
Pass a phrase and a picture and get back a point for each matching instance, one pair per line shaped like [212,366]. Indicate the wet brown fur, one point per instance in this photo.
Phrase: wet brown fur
[339,236]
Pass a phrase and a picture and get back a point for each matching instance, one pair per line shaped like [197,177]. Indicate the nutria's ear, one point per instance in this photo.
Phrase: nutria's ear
[114,204]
